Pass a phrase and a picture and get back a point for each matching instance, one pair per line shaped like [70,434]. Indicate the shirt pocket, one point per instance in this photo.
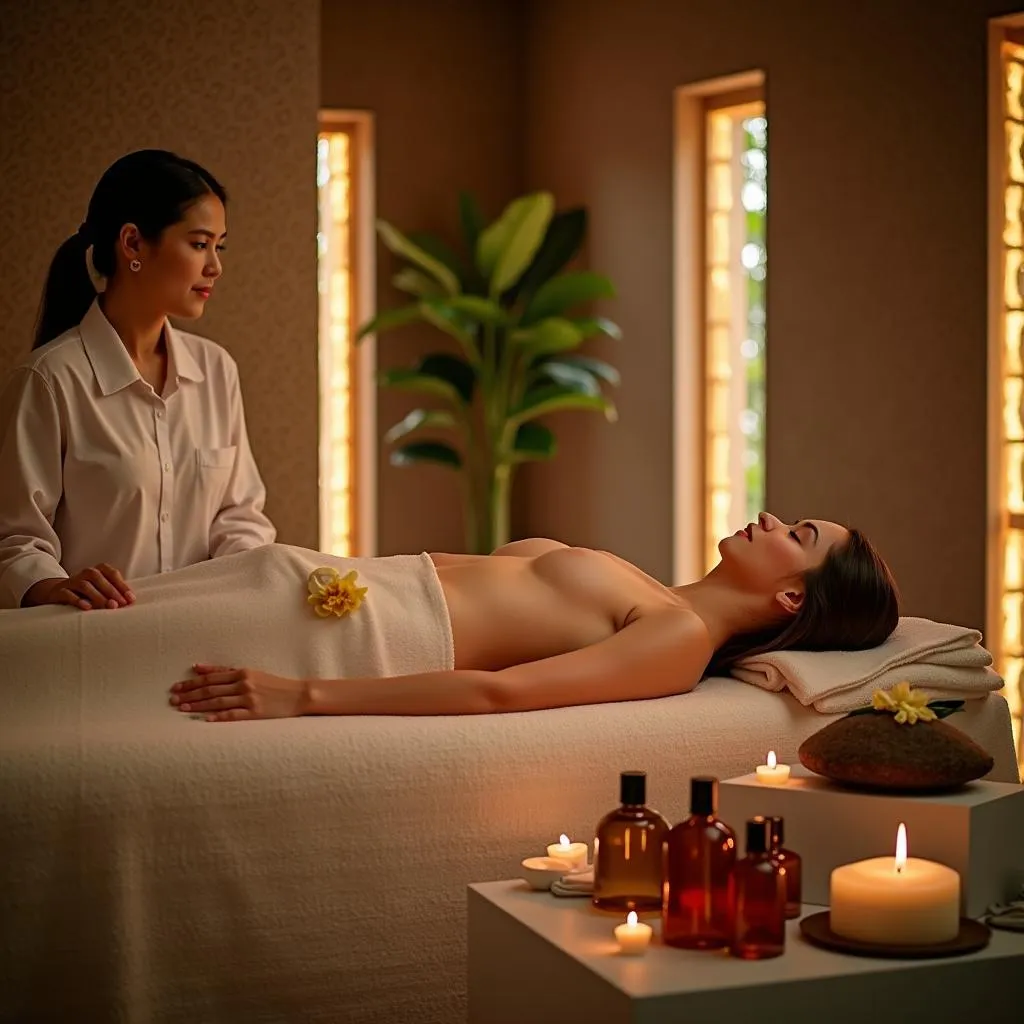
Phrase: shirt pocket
[216,458]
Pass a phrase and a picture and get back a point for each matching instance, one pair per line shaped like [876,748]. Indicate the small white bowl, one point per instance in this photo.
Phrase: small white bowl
[540,872]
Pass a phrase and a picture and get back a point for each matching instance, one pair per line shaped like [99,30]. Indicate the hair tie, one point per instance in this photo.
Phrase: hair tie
[84,233]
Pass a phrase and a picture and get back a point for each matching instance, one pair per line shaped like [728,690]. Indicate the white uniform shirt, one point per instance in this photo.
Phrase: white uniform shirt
[97,467]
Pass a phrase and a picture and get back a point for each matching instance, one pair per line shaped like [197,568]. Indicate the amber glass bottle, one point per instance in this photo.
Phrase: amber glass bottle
[628,851]
[759,898]
[700,855]
[791,865]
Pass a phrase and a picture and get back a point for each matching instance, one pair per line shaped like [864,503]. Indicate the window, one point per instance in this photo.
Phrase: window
[721,271]
[1005,633]
[345,276]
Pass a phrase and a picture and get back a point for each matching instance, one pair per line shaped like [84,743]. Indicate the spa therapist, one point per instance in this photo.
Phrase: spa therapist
[123,446]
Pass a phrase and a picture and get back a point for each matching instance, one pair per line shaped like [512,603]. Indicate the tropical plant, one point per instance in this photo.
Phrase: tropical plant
[514,316]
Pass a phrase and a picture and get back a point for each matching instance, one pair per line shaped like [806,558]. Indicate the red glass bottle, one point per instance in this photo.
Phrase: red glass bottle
[792,866]
[700,854]
[628,851]
[759,898]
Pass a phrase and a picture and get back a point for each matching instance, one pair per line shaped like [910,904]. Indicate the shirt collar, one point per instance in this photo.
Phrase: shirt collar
[109,358]
[180,361]
[111,362]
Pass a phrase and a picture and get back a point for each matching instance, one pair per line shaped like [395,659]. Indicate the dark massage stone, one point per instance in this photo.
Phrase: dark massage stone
[873,751]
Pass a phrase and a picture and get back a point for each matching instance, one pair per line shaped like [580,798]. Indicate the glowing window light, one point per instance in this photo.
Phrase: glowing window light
[736,195]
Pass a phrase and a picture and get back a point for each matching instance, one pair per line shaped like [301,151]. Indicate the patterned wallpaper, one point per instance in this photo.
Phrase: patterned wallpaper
[233,84]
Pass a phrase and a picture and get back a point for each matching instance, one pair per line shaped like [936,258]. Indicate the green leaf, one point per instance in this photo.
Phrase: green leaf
[487,311]
[561,243]
[390,319]
[415,282]
[452,369]
[471,218]
[555,334]
[945,708]
[440,314]
[560,293]
[598,367]
[417,420]
[441,251]
[533,443]
[440,374]
[554,398]
[504,250]
[404,247]
[592,325]
[574,378]
[437,452]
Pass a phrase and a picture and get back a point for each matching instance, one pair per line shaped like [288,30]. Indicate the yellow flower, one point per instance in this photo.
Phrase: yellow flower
[908,706]
[330,593]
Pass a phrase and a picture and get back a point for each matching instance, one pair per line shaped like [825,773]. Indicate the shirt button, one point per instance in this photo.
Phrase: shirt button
[159,414]
[167,467]
[164,517]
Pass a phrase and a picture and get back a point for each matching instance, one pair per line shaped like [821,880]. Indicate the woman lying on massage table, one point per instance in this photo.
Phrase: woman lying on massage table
[538,624]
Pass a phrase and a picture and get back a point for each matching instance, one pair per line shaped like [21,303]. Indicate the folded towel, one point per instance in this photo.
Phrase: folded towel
[249,608]
[576,883]
[1007,915]
[941,660]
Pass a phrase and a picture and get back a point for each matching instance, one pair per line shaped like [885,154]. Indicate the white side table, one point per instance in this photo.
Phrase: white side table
[538,959]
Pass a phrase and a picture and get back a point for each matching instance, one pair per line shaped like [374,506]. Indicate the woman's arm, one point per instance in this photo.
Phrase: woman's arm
[656,655]
[31,485]
[240,523]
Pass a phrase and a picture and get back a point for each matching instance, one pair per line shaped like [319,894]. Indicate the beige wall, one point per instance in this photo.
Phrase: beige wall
[444,81]
[232,84]
[877,266]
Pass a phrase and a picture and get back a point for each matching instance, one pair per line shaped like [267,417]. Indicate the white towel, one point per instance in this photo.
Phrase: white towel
[941,660]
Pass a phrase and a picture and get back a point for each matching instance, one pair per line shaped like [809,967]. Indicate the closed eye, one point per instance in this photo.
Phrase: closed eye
[795,536]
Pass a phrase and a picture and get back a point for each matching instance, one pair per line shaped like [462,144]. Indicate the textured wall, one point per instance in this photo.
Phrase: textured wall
[876,253]
[232,84]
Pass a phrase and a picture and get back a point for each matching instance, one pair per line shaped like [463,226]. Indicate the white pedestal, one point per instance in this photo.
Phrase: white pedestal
[538,959]
[978,831]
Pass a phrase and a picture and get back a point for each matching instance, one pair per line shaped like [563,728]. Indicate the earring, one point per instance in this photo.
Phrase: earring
[135,266]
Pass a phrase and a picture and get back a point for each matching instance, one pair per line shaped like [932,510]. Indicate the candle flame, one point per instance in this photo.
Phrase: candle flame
[563,840]
[772,761]
[631,919]
[901,847]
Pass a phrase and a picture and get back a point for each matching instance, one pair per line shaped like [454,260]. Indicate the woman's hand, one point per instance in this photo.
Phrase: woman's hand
[225,694]
[98,586]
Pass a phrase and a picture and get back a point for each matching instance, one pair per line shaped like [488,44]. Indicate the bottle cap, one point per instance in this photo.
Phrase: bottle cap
[778,833]
[633,788]
[758,835]
[703,795]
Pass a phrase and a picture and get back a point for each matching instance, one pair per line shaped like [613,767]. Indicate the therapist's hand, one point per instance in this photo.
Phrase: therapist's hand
[98,586]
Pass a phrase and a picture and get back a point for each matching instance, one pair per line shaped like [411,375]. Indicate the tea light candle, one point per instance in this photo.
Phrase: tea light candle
[633,937]
[574,853]
[772,773]
[899,901]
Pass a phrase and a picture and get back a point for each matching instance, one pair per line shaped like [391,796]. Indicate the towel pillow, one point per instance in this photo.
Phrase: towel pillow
[873,751]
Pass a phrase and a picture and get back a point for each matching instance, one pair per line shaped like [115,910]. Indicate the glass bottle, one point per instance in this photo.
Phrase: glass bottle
[792,866]
[759,898]
[628,851]
[700,855]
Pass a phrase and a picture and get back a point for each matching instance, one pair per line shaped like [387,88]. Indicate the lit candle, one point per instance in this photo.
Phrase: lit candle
[574,853]
[901,901]
[772,773]
[633,937]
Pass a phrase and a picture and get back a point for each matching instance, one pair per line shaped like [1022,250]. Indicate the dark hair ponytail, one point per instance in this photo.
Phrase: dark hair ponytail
[151,189]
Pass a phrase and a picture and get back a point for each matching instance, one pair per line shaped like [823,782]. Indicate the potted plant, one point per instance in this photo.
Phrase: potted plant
[513,314]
